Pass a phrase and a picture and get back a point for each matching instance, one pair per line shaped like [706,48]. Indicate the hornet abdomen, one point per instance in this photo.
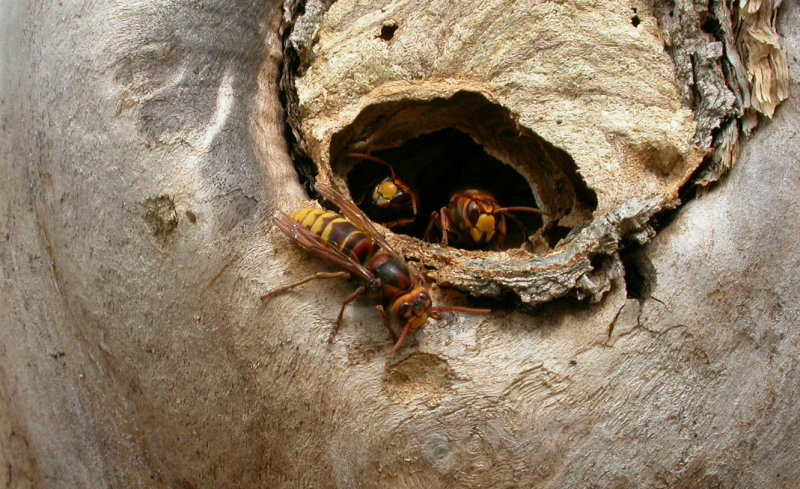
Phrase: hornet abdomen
[336,231]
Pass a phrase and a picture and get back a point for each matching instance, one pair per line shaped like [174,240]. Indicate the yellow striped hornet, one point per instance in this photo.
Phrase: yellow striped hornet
[474,218]
[392,194]
[351,242]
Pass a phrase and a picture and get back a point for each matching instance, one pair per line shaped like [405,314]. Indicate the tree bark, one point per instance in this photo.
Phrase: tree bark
[144,150]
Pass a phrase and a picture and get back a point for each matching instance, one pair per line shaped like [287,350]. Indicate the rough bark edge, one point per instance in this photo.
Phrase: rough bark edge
[697,55]
[760,83]
[298,30]
[585,268]
[733,67]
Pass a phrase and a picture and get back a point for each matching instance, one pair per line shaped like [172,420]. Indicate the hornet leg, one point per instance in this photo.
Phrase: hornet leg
[433,222]
[386,321]
[441,220]
[501,230]
[521,226]
[444,223]
[319,275]
[349,299]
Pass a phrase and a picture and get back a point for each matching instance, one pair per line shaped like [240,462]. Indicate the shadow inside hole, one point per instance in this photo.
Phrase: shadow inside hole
[436,166]
[444,145]
[387,31]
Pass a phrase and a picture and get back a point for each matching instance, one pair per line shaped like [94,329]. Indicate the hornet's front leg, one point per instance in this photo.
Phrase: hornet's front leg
[348,300]
[387,322]
[441,220]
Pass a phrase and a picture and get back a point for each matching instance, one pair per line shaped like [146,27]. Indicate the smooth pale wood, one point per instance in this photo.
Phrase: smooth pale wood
[134,355]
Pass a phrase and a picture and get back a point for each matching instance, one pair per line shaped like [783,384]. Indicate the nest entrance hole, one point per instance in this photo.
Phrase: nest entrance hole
[436,166]
[443,146]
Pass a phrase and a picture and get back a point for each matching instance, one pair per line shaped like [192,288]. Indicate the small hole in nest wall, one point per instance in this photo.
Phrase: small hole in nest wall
[635,21]
[640,275]
[387,31]
[443,146]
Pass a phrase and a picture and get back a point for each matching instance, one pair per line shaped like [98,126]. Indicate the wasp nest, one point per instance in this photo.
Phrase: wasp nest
[575,111]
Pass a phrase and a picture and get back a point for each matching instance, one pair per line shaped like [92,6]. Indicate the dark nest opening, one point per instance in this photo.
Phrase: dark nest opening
[436,166]
[443,146]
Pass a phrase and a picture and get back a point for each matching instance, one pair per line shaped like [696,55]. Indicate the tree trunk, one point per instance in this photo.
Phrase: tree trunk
[144,152]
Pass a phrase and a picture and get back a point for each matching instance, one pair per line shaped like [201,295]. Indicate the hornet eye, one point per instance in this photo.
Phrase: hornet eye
[472,212]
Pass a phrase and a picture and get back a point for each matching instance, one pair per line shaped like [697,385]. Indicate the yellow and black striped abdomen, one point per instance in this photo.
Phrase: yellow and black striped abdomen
[336,231]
